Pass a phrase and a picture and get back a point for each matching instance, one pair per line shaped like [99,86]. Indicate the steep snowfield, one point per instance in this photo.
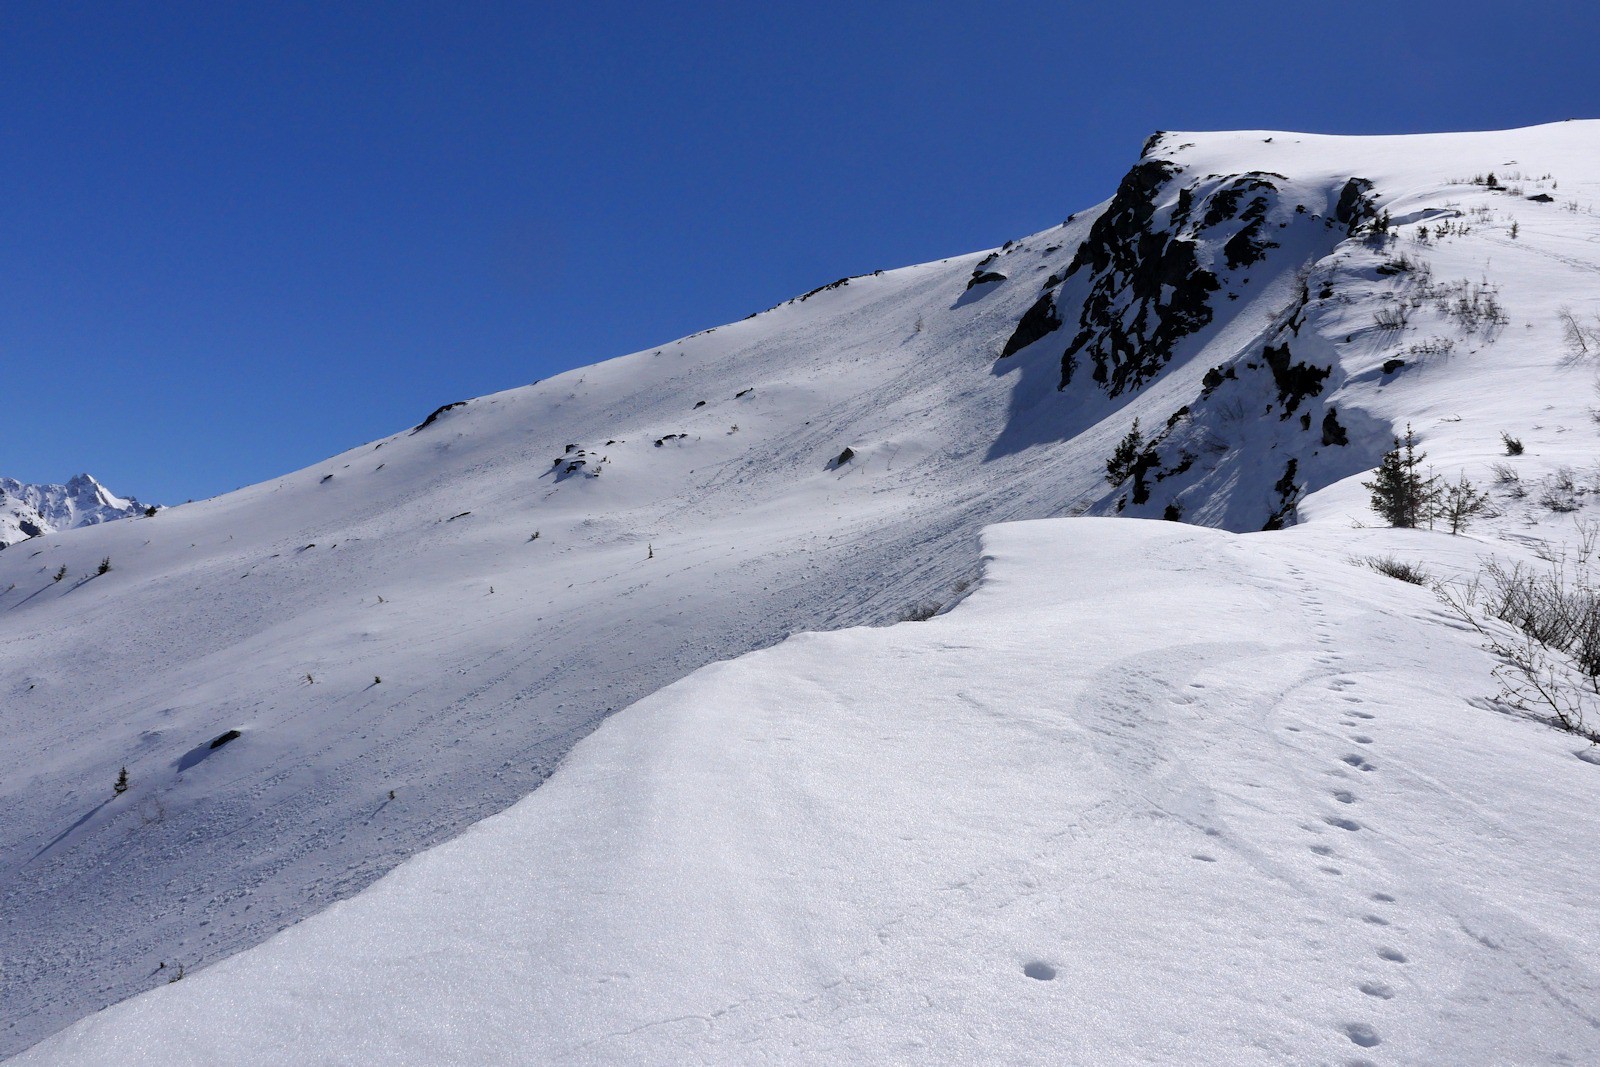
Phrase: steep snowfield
[384,621]
[1153,793]
[28,510]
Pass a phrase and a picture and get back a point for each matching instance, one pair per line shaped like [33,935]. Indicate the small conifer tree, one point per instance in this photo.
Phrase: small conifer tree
[121,785]
[1461,502]
[1120,466]
[1401,493]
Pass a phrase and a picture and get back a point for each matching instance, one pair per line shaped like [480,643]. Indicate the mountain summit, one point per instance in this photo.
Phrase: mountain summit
[32,510]
[1028,824]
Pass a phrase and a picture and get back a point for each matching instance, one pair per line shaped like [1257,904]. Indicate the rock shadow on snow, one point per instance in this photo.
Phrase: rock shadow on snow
[195,755]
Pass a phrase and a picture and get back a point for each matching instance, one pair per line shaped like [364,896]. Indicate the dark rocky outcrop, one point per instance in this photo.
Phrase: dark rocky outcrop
[1332,432]
[1248,246]
[1131,262]
[1355,207]
[824,288]
[1295,381]
[1039,320]
[1288,496]
[431,419]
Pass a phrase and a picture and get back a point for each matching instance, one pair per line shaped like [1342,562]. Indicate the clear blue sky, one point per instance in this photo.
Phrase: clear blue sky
[236,238]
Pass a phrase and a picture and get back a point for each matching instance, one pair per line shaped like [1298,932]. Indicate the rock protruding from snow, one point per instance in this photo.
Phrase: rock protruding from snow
[28,510]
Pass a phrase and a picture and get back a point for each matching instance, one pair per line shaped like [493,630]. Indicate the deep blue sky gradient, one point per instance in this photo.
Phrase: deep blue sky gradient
[236,238]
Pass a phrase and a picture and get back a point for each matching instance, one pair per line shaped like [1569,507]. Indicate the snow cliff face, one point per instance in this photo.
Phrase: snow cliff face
[32,510]
[410,636]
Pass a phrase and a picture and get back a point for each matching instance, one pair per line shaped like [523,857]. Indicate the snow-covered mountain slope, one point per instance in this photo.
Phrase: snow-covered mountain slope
[1152,794]
[28,510]
[401,656]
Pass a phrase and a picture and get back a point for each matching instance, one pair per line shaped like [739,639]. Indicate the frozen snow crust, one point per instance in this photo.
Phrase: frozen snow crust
[397,656]
[1220,794]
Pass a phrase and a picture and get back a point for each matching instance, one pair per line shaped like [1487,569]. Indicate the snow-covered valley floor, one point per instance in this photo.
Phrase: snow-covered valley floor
[1151,793]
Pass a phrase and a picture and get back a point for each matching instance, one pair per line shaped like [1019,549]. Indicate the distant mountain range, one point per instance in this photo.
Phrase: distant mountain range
[28,510]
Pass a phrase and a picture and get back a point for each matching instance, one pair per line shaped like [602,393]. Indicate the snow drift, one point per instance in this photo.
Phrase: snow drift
[1152,794]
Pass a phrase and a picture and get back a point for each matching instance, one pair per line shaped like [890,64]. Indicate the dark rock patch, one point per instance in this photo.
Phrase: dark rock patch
[1355,207]
[1036,322]
[1288,496]
[1295,381]
[431,419]
[1332,432]
[824,288]
[1134,265]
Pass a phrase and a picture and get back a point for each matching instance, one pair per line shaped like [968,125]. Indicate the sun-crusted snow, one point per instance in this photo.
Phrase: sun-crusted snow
[402,656]
[1153,793]
[28,510]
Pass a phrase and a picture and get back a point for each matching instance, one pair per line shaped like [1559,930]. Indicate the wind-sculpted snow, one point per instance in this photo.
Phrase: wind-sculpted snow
[1151,794]
[411,636]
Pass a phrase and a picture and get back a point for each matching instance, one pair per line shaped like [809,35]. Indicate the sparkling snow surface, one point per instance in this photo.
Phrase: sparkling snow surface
[1152,793]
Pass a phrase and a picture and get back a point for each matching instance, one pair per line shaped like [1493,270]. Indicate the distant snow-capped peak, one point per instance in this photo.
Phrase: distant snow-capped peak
[28,510]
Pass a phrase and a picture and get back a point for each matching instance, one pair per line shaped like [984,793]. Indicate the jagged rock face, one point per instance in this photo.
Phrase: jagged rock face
[1155,276]
[1249,245]
[1147,287]
[1038,321]
[1212,440]
[1295,381]
[28,510]
[1355,206]
[1154,259]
